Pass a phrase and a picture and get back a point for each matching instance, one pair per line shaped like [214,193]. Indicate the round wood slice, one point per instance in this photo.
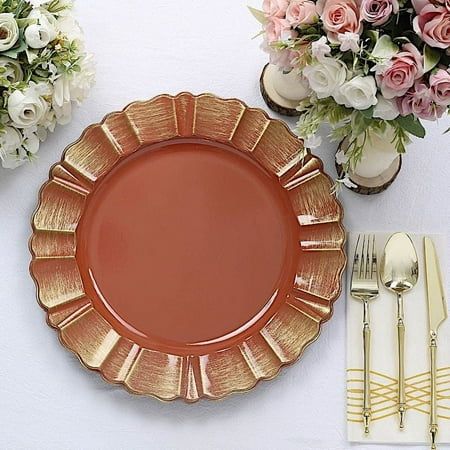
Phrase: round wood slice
[274,100]
[376,185]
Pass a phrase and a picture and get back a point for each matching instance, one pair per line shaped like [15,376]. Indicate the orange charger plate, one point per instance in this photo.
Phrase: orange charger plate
[187,247]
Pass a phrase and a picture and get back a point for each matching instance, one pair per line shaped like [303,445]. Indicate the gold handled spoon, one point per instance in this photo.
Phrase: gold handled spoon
[399,273]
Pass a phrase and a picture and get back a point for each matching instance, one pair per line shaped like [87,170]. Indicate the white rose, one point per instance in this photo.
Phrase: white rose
[359,93]
[81,82]
[63,113]
[10,139]
[9,31]
[14,160]
[61,90]
[41,33]
[30,141]
[70,28]
[48,123]
[10,70]
[385,109]
[73,87]
[27,108]
[326,76]
[11,152]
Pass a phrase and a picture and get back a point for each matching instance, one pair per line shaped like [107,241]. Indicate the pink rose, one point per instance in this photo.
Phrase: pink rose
[403,70]
[339,16]
[277,28]
[433,25]
[420,4]
[440,87]
[378,12]
[418,101]
[284,59]
[275,8]
[301,12]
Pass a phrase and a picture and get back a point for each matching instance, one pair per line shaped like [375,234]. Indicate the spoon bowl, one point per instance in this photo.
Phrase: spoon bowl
[399,265]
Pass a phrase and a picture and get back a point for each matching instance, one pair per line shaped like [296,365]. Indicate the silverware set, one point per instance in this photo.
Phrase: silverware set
[398,272]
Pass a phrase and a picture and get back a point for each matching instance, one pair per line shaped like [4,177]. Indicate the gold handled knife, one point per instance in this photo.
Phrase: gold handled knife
[437,314]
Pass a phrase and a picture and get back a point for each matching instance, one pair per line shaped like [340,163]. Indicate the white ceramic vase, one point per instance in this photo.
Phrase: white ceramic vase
[283,91]
[379,154]
[379,165]
[290,86]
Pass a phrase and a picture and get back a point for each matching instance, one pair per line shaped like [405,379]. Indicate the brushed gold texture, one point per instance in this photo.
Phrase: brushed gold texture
[279,342]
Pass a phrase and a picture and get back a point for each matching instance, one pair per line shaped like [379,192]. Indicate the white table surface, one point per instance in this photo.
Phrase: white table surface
[47,401]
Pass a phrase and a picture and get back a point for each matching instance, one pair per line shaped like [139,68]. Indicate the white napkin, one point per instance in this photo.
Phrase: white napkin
[384,427]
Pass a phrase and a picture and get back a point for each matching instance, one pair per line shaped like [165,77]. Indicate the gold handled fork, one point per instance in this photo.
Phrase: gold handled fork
[364,287]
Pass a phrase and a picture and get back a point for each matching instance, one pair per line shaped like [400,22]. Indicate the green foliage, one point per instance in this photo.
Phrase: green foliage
[257,14]
[20,8]
[58,6]
[401,137]
[412,125]
[368,113]
[431,58]
[384,47]
[17,49]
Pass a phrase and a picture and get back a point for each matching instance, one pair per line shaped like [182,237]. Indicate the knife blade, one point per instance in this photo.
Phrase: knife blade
[437,313]
[437,305]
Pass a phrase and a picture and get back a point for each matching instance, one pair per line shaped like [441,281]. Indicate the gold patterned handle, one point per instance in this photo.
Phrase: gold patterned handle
[366,350]
[433,409]
[401,362]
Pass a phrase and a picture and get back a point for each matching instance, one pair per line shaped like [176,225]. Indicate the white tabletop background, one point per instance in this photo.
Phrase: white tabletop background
[47,400]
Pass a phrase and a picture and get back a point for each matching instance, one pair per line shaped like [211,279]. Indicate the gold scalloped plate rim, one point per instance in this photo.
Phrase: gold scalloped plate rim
[307,339]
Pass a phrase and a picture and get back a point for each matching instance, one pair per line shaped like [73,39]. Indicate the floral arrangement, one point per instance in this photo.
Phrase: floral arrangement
[370,64]
[43,70]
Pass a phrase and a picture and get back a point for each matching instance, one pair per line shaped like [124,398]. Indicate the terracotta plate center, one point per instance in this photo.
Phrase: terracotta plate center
[187,244]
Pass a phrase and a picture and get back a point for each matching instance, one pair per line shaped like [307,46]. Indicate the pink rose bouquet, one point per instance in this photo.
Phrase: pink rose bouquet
[370,64]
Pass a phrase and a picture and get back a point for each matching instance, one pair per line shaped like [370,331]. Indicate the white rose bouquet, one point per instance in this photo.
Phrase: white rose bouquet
[43,71]
[375,67]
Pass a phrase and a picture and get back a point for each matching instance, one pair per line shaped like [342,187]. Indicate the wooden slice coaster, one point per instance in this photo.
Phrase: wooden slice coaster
[275,101]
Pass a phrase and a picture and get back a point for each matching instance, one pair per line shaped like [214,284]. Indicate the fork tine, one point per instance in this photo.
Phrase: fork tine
[356,258]
[374,259]
[362,267]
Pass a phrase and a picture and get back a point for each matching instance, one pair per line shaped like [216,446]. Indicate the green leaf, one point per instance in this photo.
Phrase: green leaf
[23,23]
[359,123]
[384,48]
[258,15]
[368,113]
[412,125]
[31,55]
[431,57]
[373,35]
[258,34]
[14,52]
